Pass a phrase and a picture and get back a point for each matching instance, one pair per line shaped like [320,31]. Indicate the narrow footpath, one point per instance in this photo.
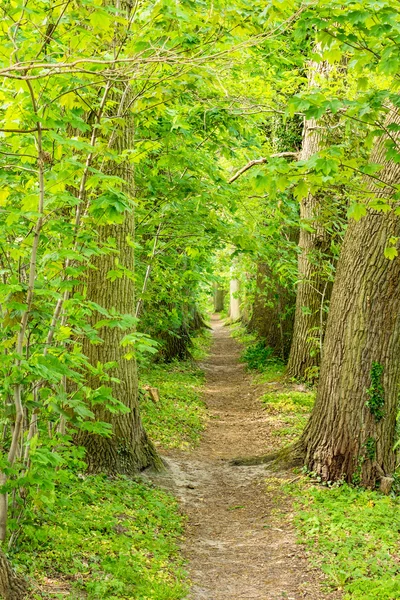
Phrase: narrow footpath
[240,541]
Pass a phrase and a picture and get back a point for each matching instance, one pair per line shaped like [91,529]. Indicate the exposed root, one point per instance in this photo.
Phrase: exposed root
[286,458]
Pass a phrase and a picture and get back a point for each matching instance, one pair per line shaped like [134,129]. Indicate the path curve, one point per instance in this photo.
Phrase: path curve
[240,541]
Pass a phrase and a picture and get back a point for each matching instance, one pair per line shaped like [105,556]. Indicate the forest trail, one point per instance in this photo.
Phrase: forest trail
[240,541]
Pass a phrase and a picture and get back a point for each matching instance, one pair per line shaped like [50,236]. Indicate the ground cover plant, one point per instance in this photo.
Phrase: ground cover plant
[353,535]
[113,538]
[292,409]
[177,418]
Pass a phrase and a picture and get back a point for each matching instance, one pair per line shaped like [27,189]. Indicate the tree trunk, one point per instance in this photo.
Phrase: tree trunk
[314,242]
[12,587]
[351,431]
[272,314]
[128,450]
[234,302]
[218,298]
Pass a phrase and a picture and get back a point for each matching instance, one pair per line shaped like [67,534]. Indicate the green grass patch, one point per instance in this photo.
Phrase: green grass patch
[289,402]
[238,332]
[292,409]
[354,535]
[178,418]
[273,371]
[107,538]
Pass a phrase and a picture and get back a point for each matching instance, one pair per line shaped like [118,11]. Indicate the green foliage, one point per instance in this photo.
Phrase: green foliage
[257,356]
[353,535]
[64,180]
[376,392]
[104,538]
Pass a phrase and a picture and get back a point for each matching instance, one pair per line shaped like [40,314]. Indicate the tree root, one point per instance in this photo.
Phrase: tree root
[12,586]
[288,457]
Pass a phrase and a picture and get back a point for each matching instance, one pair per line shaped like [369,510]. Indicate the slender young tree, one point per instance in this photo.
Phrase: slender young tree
[351,430]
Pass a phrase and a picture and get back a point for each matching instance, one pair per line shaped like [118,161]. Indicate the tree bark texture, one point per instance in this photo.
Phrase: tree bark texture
[273,312]
[314,242]
[128,450]
[346,436]
[12,587]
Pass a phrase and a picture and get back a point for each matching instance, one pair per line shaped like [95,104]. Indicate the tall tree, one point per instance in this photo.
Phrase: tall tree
[351,430]
[272,312]
[128,449]
[314,243]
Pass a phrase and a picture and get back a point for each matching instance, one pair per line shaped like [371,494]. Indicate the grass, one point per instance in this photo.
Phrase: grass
[178,418]
[291,408]
[105,538]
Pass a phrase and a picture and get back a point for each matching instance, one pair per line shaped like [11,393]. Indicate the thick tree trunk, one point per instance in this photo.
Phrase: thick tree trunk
[128,450]
[351,431]
[314,242]
[272,314]
[12,587]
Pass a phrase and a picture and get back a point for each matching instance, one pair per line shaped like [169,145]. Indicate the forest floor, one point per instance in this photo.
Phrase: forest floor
[240,538]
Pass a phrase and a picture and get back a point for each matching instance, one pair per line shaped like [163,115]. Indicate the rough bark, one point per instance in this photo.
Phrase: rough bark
[314,242]
[346,436]
[219,295]
[128,450]
[12,587]
[272,314]
[176,344]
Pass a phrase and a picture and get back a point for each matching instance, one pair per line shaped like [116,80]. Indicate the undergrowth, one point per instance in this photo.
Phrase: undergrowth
[257,356]
[177,419]
[354,537]
[104,538]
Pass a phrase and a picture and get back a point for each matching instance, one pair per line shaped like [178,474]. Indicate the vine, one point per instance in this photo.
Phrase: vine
[376,392]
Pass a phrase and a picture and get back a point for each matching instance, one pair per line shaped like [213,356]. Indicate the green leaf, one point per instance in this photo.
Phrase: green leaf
[391,252]
[357,211]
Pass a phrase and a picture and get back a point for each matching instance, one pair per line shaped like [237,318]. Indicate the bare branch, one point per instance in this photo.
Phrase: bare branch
[261,161]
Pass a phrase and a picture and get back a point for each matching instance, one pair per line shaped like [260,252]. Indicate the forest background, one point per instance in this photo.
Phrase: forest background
[153,152]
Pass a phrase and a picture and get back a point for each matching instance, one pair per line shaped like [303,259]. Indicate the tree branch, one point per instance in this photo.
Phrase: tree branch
[261,161]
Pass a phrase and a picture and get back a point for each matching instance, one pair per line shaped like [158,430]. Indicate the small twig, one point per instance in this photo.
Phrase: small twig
[295,479]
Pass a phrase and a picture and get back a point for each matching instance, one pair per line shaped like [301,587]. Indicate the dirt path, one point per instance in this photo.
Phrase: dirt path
[240,542]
